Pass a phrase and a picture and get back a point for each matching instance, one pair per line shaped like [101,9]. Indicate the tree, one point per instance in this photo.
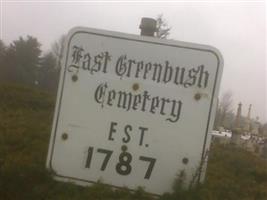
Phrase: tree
[224,114]
[57,48]
[2,50]
[163,30]
[48,73]
[226,106]
[22,60]
[263,130]
[2,61]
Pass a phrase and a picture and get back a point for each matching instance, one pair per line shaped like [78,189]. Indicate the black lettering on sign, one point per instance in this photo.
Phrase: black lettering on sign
[89,157]
[128,128]
[108,154]
[121,67]
[123,167]
[143,129]
[160,72]
[144,102]
[112,130]
[151,165]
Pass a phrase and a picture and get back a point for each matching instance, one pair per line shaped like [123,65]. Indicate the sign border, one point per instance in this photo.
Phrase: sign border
[143,39]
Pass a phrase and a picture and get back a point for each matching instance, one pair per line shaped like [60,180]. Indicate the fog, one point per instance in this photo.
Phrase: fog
[237,29]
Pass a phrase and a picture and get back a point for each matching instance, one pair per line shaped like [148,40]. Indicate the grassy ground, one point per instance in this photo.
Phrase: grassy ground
[25,124]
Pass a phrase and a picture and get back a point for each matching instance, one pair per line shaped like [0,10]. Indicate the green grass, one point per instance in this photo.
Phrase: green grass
[25,124]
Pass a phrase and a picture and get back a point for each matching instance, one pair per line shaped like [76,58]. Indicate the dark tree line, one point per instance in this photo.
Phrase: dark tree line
[22,62]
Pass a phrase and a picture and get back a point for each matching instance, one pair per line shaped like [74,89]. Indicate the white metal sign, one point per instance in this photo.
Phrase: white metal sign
[132,111]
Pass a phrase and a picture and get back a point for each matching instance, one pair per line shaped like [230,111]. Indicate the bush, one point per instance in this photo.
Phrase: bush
[26,119]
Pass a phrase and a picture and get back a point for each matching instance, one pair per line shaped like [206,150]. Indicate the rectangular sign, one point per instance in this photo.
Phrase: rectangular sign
[133,111]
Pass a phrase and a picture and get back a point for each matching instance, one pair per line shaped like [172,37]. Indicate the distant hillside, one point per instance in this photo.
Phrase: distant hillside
[25,124]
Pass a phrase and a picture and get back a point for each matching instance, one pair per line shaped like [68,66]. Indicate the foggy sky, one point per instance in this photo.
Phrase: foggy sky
[236,29]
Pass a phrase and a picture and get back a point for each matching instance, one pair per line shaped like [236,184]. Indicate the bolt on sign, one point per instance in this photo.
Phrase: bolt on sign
[133,110]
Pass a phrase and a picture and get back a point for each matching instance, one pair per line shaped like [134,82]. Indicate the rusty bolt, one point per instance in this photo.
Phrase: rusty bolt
[197,96]
[185,161]
[74,78]
[64,136]
[135,86]
[124,148]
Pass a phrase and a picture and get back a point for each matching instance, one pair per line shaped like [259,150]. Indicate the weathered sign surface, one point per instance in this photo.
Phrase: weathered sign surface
[132,111]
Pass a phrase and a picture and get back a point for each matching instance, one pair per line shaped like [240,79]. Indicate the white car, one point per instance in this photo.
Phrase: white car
[222,133]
